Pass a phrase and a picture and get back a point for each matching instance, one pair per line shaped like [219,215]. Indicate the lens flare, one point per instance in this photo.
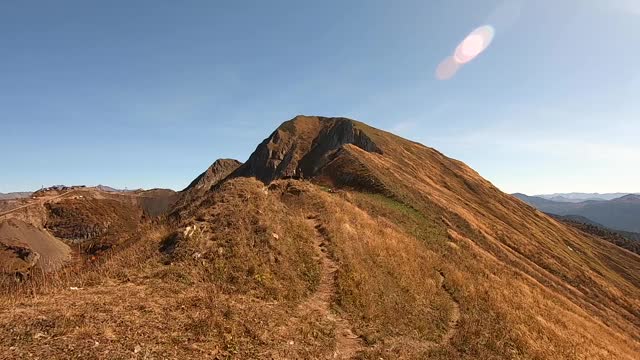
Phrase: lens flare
[474,44]
[447,68]
[470,48]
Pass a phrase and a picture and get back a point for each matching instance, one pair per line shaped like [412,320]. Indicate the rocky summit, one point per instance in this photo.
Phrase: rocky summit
[304,146]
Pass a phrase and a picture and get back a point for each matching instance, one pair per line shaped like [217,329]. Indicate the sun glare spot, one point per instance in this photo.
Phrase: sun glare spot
[473,45]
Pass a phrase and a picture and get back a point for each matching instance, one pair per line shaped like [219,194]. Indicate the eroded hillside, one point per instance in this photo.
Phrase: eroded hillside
[63,227]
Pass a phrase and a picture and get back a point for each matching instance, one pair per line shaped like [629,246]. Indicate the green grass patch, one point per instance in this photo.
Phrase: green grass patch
[425,227]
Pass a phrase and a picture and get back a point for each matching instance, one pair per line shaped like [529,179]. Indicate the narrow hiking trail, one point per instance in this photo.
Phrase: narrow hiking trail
[425,346]
[452,324]
[347,343]
[455,313]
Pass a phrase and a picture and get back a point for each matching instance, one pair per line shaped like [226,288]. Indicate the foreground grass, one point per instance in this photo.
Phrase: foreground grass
[137,304]
[230,279]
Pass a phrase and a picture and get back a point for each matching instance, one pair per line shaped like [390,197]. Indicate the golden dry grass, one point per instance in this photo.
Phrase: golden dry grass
[434,262]
[245,288]
[528,286]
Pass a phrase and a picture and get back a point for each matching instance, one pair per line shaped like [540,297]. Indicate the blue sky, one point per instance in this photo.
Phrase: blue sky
[149,93]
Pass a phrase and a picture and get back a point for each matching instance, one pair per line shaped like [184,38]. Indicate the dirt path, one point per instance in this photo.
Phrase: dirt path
[39,201]
[347,343]
[455,313]
[452,324]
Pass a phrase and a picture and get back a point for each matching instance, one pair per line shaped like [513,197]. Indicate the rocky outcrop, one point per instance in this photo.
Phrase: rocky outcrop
[301,147]
[219,170]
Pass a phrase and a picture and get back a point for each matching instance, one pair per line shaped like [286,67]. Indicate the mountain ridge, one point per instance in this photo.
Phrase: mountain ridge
[339,240]
[620,213]
[578,196]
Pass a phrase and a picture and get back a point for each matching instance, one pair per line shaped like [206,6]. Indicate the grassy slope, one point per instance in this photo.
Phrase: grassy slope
[229,300]
[443,242]
[536,276]
[232,289]
[238,290]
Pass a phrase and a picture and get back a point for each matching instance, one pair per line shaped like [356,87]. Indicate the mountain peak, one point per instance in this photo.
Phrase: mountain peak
[220,169]
[304,145]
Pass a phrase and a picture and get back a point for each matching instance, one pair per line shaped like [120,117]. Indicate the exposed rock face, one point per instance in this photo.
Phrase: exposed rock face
[220,169]
[302,146]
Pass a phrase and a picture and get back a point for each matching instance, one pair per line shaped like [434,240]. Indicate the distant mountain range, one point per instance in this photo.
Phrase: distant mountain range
[15,195]
[579,197]
[619,213]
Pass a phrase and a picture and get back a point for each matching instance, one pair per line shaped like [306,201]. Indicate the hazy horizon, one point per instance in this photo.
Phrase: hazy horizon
[126,187]
[149,94]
